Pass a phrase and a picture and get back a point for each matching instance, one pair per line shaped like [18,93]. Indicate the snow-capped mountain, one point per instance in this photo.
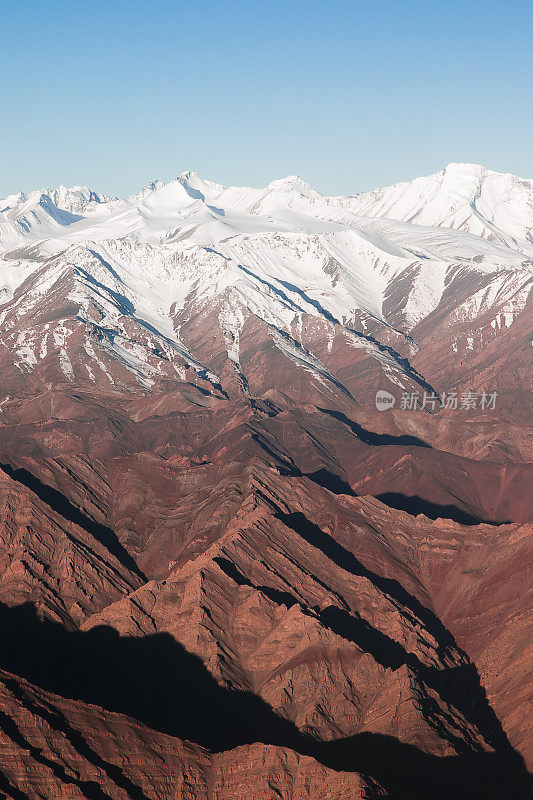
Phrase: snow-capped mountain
[167,285]
[241,577]
[467,197]
[44,211]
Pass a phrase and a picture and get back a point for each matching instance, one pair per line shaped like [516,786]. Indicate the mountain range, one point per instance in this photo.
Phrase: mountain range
[226,570]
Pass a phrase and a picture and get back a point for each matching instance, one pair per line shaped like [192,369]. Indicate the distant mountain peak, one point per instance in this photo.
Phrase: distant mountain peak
[290,182]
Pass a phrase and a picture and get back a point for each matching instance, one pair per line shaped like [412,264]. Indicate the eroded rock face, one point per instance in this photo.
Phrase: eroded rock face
[225,574]
[322,617]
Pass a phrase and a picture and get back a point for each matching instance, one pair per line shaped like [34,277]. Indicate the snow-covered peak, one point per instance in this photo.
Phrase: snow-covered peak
[168,196]
[193,181]
[76,199]
[292,183]
[136,277]
[43,213]
[468,197]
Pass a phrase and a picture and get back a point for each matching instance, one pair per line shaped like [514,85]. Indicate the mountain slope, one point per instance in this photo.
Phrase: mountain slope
[227,572]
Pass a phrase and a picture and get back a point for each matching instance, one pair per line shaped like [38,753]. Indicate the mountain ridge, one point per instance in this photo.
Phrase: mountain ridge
[134,273]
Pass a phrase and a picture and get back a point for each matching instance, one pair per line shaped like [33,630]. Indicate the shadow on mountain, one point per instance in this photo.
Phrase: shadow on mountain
[346,560]
[8,790]
[156,681]
[62,506]
[58,722]
[375,439]
[286,466]
[404,772]
[457,683]
[264,407]
[415,505]
[354,628]
[276,595]
[328,480]
[402,361]
[153,679]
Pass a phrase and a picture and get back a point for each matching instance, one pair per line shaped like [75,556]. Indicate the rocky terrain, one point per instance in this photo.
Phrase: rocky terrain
[226,573]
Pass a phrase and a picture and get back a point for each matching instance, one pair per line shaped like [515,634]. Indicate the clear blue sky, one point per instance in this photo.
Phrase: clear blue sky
[348,94]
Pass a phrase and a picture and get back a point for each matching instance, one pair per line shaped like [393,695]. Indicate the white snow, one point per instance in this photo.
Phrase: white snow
[140,269]
[65,364]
